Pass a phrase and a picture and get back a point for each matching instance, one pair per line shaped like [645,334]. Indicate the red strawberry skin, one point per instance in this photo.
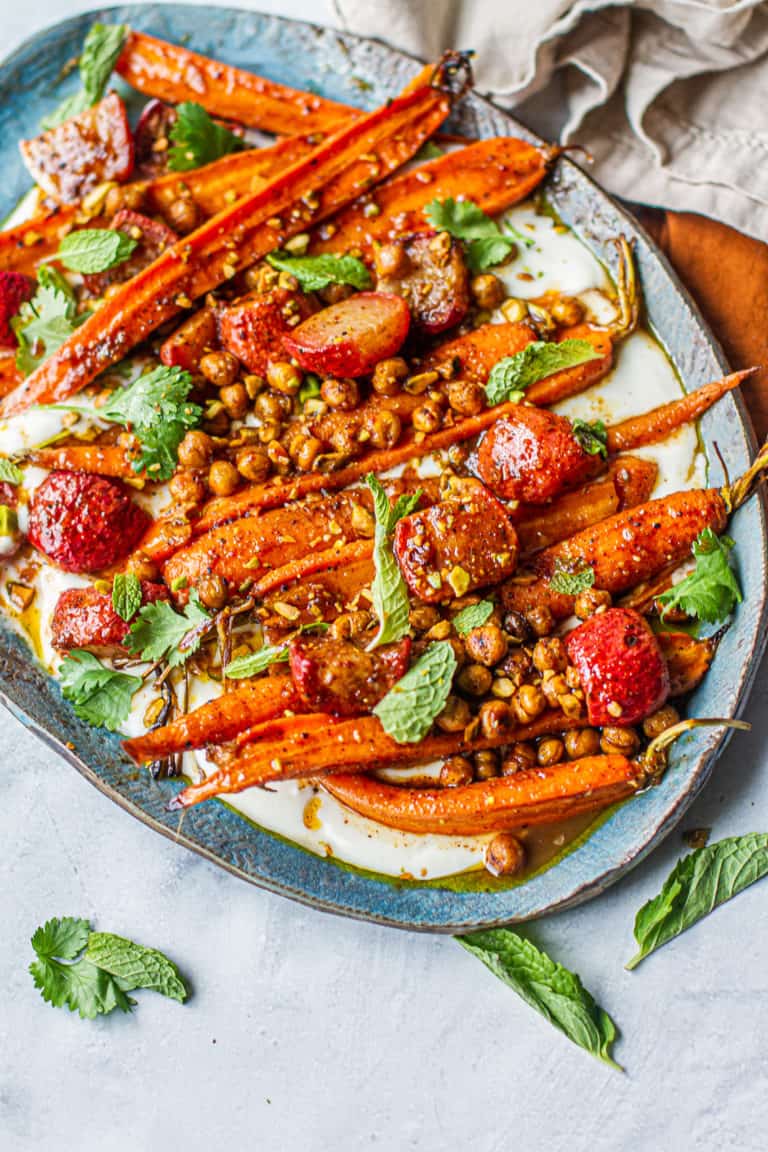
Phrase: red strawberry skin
[85,618]
[15,288]
[621,666]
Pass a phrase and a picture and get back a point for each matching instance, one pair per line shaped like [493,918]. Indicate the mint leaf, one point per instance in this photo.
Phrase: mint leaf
[255,662]
[711,591]
[315,272]
[99,695]
[126,595]
[158,631]
[101,49]
[407,711]
[473,616]
[545,985]
[135,966]
[699,883]
[95,249]
[198,139]
[388,592]
[593,437]
[46,321]
[156,409]
[570,583]
[10,473]
[512,375]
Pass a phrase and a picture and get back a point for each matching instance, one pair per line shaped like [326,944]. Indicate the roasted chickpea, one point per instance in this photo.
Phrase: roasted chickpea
[423,617]
[212,590]
[554,686]
[465,397]
[541,620]
[520,757]
[567,310]
[217,423]
[307,452]
[504,855]
[590,601]
[387,376]
[253,464]
[486,645]
[488,291]
[580,742]
[486,764]
[385,429]
[283,377]
[516,666]
[186,488]
[658,722]
[455,772]
[260,278]
[529,702]
[143,567]
[278,456]
[455,715]
[624,741]
[550,655]
[335,293]
[223,478]
[427,417]
[392,260]
[475,680]
[458,454]
[495,718]
[439,631]
[129,196]
[271,406]
[342,394]
[183,214]
[550,751]
[517,627]
[195,450]
[235,399]
[349,625]
[269,430]
[221,368]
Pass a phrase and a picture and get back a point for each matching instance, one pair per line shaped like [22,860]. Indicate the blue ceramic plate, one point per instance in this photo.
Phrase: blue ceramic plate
[365,73]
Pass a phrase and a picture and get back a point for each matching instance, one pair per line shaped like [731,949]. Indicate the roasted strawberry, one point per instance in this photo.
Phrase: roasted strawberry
[185,346]
[253,327]
[338,676]
[351,337]
[623,672]
[462,543]
[15,288]
[152,238]
[532,456]
[83,522]
[85,618]
[428,270]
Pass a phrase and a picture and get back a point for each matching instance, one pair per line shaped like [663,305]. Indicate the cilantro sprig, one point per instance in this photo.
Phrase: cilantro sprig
[158,631]
[316,272]
[99,695]
[46,321]
[197,139]
[389,592]
[101,49]
[711,591]
[90,250]
[509,377]
[156,409]
[486,244]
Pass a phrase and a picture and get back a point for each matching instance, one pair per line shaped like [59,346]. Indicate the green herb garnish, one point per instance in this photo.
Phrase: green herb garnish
[486,244]
[510,377]
[255,662]
[126,595]
[101,49]
[310,387]
[389,592]
[198,139]
[473,616]
[593,437]
[46,321]
[158,630]
[92,250]
[315,272]
[10,473]
[100,695]
[711,591]
[408,710]
[570,583]
[156,409]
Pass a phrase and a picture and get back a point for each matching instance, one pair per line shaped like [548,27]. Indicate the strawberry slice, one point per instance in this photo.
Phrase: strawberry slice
[532,455]
[15,288]
[622,669]
[351,337]
[339,677]
[254,327]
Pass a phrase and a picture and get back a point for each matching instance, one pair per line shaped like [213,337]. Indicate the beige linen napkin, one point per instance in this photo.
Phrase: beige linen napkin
[670,96]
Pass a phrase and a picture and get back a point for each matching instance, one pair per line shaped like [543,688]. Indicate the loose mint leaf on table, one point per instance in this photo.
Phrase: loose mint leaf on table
[315,272]
[156,409]
[135,966]
[92,250]
[509,378]
[197,139]
[126,595]
[473,616]
[389,592]
[545,985]
[158,630]
[101,49]
[408,710]
[711,591]
[100,695]
[698,884]
[593,437]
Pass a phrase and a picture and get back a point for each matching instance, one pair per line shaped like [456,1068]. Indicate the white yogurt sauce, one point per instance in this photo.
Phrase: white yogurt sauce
[641,379]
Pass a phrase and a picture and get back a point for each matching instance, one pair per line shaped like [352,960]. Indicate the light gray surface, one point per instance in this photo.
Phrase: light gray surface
[309,1032]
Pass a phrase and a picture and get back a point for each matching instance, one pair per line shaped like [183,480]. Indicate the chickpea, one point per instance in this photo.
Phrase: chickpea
[549,752]
[517,627]
[475,680]
[624,741]
[235,400]
[342,394]
[268,431]
[495,718]
[572,678]
[212,590]
[428,417]
[335,293]
[541,620]
[516,666]
[504,855]
[253,384]
[423,617]
[283,377]
[143,567]
[554,688]
[465,397]
[455,715]
[520,757]
[271,406]
[186,488]
[658,722]
[126,196]
[458,454]
[486,764]
[385,429]
[550,655]
[488,291]
[253,464]
[307,452]
[260,278]
[217,424]
[345,442]
[486,645]
[183,214]
[278,456]
[455,772]
[392,260]
[590,601]
[580,742]
[567,310]
[387,376]
[349,625]
[529,703]
[195,450]
[220,368]
[223,478]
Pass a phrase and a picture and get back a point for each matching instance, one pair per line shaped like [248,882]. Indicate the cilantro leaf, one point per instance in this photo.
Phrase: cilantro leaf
[488,252]
[711,591]
[99,695]
[571,583]
[101,49]
[64,938]
[545,985]
[157,410]
[388,591]
[158,630]
[46,321]
[487,244]
[10,473]
[255,662]
[315,272]
[510,377]
[407,711]
[593,437]
[95,249]
[126,595]
[135,966]
[198,139]
[473,616]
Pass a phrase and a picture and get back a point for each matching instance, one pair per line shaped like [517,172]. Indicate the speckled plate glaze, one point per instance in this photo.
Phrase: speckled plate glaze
[365,73]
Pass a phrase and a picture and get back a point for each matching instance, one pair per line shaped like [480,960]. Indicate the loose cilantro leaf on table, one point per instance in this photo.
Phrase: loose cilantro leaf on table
[593,437]
[315,272]
[95,249]
[486,244]
[158,630]
[10,473]
[545,985]
[389,592]
[473,616]
[510,377]
[198,139]
[156,409]
[101,49]
[46,321]
[570,583]
[100,695]
[711,591]
[126,595]
[698,884]
[408,710]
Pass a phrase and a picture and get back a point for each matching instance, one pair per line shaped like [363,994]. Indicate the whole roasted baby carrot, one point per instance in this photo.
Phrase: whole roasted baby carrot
[331,176]
[101,459]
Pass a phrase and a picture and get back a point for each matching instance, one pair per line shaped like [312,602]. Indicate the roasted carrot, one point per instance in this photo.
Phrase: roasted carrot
[170,72]
[539,526]
[10,377]
[22,247]
[473,354]
[335,173]
[253,702]
[572,381]
[102,459]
